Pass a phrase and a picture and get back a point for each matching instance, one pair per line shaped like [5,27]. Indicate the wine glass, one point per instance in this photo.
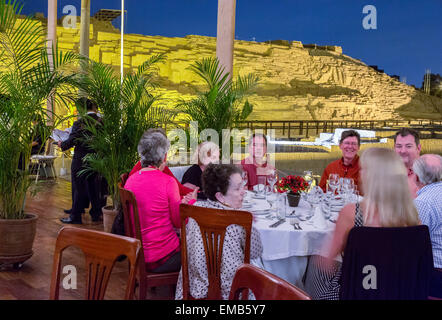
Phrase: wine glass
[313,198]
[308,176]
[272,177]
[333,182]
[348,186]
[245,178]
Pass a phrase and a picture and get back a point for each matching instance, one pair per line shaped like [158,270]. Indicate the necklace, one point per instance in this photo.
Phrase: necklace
[148,168]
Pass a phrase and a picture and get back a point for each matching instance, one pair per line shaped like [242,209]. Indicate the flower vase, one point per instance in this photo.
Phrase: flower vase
[293,199]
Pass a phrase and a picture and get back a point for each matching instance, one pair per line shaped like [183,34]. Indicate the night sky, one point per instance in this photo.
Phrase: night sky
[407,41]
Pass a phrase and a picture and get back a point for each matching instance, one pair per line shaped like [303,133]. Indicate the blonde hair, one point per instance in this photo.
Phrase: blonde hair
[386,191]
[207,152]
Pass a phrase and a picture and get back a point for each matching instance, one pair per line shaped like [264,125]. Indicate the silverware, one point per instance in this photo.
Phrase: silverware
[281,221]
[299,227]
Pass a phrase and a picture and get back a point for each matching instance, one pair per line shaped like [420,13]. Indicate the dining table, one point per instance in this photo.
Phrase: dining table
[288,242]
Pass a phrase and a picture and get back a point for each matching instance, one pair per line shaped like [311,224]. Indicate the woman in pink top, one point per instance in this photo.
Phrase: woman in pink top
[158,201]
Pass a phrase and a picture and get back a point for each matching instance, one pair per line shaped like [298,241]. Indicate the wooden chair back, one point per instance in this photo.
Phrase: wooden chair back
[123,178]
[132,228]
[129,205]
[101,250]
[264,285]
[213,224]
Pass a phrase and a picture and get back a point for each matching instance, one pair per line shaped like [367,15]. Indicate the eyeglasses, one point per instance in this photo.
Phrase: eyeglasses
[353,144]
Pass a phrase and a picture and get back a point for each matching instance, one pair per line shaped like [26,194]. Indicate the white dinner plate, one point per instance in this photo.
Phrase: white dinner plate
[261,212]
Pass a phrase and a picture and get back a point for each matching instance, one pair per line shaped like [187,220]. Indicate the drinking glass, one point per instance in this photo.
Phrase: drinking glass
[245,178]
[333,182]
[272,177]
[327,205]
[282,206]
[308,176]
[347,188]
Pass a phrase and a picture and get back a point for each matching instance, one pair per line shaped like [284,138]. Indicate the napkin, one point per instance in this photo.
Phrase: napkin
[319,220]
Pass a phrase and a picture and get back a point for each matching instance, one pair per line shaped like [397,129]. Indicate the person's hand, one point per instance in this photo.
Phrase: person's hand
[190,196]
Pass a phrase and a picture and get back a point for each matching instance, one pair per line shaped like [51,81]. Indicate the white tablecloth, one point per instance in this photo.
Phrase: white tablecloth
[286,250]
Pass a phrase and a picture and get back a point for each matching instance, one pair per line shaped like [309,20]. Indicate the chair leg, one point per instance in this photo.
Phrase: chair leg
[53,171]
[142,291]
[38,172]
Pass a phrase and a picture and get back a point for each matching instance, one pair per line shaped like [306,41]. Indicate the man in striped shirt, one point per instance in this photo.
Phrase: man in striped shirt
[428,169]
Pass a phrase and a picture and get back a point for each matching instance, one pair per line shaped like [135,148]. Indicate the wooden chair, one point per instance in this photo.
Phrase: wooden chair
[213,224]
[264,285]
[132,229]
[123,178]
[101,250]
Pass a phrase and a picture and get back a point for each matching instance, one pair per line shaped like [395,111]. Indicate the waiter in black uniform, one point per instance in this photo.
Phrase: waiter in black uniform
[86,187]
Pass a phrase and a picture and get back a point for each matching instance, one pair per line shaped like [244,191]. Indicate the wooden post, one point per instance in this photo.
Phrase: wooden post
[52,42]
[84,27]
[225,34]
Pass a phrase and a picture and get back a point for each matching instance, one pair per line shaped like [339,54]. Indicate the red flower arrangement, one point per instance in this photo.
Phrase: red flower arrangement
[293,184]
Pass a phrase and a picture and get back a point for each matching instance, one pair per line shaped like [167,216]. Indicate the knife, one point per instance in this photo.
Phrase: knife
[274,225]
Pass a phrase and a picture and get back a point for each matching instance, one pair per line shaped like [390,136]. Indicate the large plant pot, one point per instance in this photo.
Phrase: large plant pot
[109,214]
[17,238]
[293,199]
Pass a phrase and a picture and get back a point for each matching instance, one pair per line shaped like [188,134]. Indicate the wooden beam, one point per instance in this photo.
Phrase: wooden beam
[51,42]
[84,27]
[225,34]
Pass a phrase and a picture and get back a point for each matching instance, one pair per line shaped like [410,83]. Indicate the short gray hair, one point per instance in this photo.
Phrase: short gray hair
[153,147]
[428,168]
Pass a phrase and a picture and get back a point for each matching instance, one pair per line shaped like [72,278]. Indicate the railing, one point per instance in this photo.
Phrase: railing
[301,128]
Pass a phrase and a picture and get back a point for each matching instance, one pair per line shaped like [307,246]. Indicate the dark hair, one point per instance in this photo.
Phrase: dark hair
[216,178]
[253,136]
[350,133]
[407,131]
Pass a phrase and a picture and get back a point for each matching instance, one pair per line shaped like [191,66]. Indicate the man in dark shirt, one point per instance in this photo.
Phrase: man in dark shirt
[85,186]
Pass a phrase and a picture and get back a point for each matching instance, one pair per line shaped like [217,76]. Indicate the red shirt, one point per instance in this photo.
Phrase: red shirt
[251,169]
[337,166]
[182,189]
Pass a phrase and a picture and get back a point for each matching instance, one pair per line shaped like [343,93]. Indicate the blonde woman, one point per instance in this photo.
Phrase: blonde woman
[207,152]
[387,203]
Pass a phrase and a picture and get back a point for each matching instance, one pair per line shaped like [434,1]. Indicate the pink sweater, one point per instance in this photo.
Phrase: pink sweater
[158,201]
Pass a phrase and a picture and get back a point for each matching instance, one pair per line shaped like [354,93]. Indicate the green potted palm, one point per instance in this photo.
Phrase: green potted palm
[27,81]
[224,103]
[127,109]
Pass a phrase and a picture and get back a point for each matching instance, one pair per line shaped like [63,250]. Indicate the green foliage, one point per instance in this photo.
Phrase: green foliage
[26,84]
[127,109]
[222,105]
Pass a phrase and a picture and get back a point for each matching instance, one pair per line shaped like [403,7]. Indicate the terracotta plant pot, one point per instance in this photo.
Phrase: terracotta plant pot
[293,199]
[17,238]
[109,214]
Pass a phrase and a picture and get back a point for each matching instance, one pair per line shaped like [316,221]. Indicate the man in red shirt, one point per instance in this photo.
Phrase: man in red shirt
[348,165]
[407,146]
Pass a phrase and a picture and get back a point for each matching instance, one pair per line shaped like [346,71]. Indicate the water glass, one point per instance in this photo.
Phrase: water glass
[333,182]
[271,179]
[308,176]
[245,178]
[282,206]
